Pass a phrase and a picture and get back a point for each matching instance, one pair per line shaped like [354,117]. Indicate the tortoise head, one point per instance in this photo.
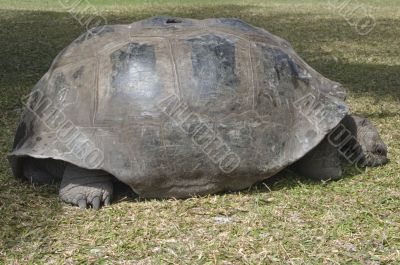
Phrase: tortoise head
[374,150]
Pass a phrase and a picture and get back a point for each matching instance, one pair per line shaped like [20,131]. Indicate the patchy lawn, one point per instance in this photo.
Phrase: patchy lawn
[287,220]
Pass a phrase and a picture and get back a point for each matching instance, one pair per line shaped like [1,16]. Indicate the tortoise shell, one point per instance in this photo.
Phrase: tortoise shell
[178,107]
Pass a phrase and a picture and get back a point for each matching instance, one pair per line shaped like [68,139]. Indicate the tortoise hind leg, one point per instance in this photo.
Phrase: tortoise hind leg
[322,163]
[83,187]
[42,171]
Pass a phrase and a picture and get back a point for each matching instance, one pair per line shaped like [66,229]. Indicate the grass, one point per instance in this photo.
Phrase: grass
[287,220]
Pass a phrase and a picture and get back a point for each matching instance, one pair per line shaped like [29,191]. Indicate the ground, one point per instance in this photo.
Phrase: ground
[286,220]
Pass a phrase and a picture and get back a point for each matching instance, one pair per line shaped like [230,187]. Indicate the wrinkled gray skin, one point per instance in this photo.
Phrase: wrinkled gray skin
[166,101]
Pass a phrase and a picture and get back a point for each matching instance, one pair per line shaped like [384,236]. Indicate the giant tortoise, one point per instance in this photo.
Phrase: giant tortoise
[176,107]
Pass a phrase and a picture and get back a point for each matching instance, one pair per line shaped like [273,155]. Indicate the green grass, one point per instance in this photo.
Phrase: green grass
[289,220]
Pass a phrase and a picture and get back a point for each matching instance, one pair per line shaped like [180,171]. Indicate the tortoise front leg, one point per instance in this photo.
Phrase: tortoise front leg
[323,163]
[83,187]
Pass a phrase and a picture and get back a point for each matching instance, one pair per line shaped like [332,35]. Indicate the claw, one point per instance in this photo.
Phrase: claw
[107,201]
[82,203]
[96,203]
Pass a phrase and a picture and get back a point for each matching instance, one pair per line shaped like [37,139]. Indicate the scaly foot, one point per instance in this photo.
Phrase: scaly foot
[83,187]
